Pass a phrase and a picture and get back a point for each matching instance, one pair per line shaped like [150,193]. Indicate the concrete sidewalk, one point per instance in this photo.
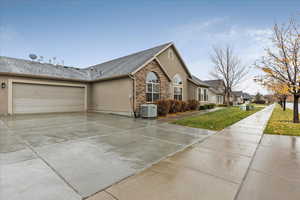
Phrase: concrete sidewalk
[213,169]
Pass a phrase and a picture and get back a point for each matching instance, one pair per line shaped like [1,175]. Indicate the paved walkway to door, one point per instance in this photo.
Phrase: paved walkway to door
[237,163]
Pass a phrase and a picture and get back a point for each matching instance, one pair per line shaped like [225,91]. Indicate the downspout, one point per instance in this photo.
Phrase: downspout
[133,102]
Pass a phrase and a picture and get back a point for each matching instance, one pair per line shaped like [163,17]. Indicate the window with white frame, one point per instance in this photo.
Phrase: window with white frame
[152,87]
[178,86]
[204,95]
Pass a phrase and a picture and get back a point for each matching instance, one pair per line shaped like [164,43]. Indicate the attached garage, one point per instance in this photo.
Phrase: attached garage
[46,98]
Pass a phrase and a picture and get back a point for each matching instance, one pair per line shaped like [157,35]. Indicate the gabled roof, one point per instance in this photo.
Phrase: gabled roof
[216,86]
[237,93]
[246,95]
[127,64]
[115,68]
[215,83]
[197,81]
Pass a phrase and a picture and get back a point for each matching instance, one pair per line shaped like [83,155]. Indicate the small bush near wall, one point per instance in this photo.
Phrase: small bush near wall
[177,106]
[207,106]
[202,107]
[193,104]
[163,107]
[222,105]
[259,102]
[173,106]
[184,106]
[212,105]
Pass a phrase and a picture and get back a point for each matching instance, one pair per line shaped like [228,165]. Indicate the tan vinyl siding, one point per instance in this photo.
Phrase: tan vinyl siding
[3,96]
[174,66]
[113,96]
[192,91]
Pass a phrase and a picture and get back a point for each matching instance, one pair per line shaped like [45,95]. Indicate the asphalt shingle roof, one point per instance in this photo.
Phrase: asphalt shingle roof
[197,80]
[237,93]
[215,86]
[27,67]
[117,67]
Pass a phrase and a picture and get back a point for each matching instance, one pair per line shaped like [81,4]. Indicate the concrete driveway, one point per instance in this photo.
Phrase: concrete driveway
[72,156]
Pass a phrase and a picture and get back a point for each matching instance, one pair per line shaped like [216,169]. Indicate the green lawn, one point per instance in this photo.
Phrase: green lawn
[217,120]
[259,105]
[281,123]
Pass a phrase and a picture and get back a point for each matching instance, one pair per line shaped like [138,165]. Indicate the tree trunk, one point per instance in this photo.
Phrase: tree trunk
[228,99]
[284,103]
[280,103]
[296,109]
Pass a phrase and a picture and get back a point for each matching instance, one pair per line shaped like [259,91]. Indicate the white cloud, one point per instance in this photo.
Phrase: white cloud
[197,40]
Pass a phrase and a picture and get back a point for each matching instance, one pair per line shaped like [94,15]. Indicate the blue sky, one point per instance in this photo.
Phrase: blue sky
[84,33]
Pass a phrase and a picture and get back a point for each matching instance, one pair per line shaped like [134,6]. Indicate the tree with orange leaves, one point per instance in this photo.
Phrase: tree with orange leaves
[281,64]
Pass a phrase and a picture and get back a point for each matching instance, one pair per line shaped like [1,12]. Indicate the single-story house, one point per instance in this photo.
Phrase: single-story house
[117,86]
[202,93]
[216,91]
[246,97]
[237,97]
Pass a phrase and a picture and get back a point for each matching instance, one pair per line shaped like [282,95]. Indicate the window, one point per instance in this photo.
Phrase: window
[220,99]
[177,85]
[152,87]
[199,94]
[203,94]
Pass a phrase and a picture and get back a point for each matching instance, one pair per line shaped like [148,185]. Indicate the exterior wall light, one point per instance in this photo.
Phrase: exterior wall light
[3,85]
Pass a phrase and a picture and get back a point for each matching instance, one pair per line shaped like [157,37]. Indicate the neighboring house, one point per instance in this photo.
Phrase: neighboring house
[246,97]
[216,91]
[201,91]
[117,86]
[237,97]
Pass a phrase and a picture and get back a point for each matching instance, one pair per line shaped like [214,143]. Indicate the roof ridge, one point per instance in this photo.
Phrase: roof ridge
[132,54]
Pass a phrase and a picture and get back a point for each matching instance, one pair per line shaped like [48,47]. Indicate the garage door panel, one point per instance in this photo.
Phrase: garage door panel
[34,98]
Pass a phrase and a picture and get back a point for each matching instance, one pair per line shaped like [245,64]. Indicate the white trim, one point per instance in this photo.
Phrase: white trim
[152,58]
[163,69]
[10,90]
[178,86]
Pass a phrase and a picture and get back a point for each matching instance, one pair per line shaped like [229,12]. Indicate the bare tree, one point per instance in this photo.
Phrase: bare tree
[227,67]
[282,62]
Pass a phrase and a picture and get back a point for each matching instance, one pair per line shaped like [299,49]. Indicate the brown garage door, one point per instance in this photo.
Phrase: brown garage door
[36,98]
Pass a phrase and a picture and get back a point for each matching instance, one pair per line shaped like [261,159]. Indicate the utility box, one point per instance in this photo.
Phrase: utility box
[148,111]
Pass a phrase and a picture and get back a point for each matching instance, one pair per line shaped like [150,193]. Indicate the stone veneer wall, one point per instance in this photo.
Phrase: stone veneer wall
[140,78]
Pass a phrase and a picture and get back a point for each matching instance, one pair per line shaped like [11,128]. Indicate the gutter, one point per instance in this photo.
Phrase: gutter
[196,83]
[133,95]
[61,78]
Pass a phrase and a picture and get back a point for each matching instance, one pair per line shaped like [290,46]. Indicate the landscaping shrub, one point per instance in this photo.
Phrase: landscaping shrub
[211,105]
[259,101]
[172,106]
[184,106]
[163,107]
[222,105]
[201,107]
[177,106]
[193,104]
